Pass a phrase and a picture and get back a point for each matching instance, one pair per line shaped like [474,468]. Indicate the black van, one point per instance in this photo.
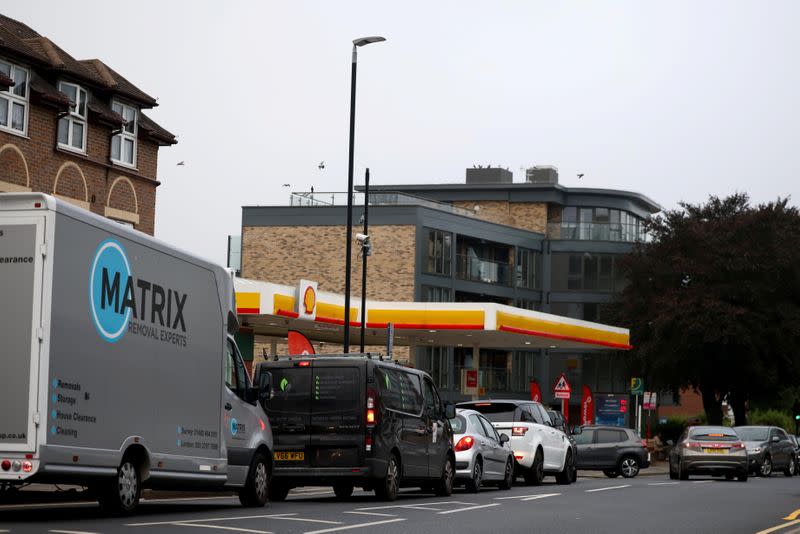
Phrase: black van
[356,420]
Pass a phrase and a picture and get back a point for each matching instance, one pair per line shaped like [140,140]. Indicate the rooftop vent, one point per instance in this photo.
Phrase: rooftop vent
[489,175]
[542,174]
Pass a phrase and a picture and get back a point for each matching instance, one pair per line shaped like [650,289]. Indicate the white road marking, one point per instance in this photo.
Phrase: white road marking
[324,521]
[70,532]
[608,488]
[211,520]
[528,497]
[311,494]
[221,527]
[663,484]
[412,505]
[359,525]
[372,513]
[468,508]
[779,527]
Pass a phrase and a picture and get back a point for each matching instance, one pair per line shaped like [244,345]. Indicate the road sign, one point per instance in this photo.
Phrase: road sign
[650,398]
[472,378]
[637,386]
[562,389]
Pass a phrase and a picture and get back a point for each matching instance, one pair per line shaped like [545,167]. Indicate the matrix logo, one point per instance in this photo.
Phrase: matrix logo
[121,303]
[234,427]
[111,261]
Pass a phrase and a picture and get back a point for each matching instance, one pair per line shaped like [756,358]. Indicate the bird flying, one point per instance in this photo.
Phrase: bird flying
[321,165]
[580,176]
[181,163]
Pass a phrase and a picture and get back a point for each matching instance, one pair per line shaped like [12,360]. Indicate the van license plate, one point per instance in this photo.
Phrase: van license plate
[289,456]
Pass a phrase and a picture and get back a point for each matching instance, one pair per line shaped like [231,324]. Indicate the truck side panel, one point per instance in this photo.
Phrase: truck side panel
[137,337]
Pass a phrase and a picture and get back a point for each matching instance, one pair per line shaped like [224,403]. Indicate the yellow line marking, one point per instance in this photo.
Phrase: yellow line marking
[794,515]
[778,527]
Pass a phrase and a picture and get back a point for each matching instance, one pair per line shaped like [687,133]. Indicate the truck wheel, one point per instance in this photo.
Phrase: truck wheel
[121,495]
[535,475]
[256,488]
[343,490]
[388,488]
[278,491]
[565,476]
[474,483]
[444,488]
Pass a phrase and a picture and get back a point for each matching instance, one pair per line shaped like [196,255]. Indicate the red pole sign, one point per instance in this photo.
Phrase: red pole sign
[299,344]
[536,393]
[587,406]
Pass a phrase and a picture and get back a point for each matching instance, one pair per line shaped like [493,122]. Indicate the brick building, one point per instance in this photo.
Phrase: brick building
[75,129]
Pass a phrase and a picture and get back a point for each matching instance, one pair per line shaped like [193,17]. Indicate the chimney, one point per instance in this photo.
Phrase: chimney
[542,174]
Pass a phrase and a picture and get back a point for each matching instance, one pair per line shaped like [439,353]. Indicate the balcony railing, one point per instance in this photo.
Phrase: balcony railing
[596,231]
[383,198]
[478,270]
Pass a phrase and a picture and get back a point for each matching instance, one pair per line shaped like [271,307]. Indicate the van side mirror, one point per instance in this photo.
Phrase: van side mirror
[449,410]
[264,388]
[775,439]
[504,438]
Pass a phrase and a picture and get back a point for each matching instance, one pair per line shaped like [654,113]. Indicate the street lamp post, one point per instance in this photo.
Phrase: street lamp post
[366,250]
[349,239]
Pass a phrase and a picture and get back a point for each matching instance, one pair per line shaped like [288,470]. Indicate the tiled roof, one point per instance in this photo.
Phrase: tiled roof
[117,82]
[148,126]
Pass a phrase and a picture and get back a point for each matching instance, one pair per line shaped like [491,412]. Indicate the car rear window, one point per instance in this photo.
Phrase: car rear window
[713,434]
[399,390]
[496,412]
[459,424]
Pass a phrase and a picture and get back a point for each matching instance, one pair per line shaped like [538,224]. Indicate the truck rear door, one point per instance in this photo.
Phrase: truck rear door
[289,413]
[21,268]
[338,405]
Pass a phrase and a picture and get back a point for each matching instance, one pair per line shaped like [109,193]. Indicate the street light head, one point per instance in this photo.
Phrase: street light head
[361,41]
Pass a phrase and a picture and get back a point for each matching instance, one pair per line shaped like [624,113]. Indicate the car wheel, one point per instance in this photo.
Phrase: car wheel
[791,468]
[629,467]
[508,479]
[278,491]
[388,489]
[535,475]
[444,488]
[610,473]
[256,487]
[682,474]
[673,475]
[743,476]
[343,490]
[474,484]
[565,476]
[121,495]
[766,467]
[729,476]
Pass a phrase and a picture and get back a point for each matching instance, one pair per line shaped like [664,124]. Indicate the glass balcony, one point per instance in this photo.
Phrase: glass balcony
[597,231]
[478,270]
[383,198]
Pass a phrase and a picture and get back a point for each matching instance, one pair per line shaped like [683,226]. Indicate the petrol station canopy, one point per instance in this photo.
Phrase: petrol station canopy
[272,310]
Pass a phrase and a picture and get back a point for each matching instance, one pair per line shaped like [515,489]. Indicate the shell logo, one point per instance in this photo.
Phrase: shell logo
[309,300]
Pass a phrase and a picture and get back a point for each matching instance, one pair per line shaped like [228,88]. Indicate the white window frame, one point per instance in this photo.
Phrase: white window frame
[124,134]
[74,117]
[14,98]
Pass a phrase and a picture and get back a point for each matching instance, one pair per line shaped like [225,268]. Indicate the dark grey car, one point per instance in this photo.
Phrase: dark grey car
[614,450]
[768,449]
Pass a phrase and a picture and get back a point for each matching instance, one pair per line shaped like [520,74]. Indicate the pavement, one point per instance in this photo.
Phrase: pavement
[647,503]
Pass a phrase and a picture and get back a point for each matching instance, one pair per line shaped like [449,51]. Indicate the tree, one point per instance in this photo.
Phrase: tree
[713,301]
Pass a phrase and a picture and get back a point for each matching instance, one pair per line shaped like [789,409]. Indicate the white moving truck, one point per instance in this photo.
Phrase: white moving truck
[118,368]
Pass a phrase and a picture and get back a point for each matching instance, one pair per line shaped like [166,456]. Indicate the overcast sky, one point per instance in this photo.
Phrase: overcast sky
[675,100]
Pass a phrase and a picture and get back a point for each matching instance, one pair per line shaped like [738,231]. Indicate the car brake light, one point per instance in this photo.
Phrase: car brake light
[6,465]
[691,445]
[304,363]
[483,404]
[368,444]
[464,444]
[737,445]
[519,430]
[519,456]
[27,466]
[372,413]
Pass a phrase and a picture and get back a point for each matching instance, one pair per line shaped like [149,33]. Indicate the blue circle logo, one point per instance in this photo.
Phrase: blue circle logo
[107,281]
[234,427]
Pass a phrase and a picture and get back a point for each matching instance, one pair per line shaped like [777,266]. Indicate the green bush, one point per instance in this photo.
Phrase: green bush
[671,430]
[771,418]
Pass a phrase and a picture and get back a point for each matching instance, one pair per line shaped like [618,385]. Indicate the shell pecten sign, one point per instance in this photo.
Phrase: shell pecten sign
[307,303]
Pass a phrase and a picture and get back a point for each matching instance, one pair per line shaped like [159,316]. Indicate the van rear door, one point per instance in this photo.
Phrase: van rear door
[289,413]
[21,267]
[338,405]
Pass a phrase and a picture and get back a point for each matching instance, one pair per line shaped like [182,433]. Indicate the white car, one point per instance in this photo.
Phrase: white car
[539,449]
[482,455]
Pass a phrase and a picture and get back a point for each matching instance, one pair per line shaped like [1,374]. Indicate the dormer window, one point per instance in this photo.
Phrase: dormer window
[123,145]
[14,99]
[72,127]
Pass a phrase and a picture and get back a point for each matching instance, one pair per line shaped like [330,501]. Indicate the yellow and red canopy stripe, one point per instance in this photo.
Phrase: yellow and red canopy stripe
[533,326]
[423,318]
[248,303]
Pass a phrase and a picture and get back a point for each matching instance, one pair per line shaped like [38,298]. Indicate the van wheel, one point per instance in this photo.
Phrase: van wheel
[278,491]
[535,475]
[565,476]
[444,488]
[121,495]
[508,479]
[256,488]
[389,487]
[343,490]
[474,483]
